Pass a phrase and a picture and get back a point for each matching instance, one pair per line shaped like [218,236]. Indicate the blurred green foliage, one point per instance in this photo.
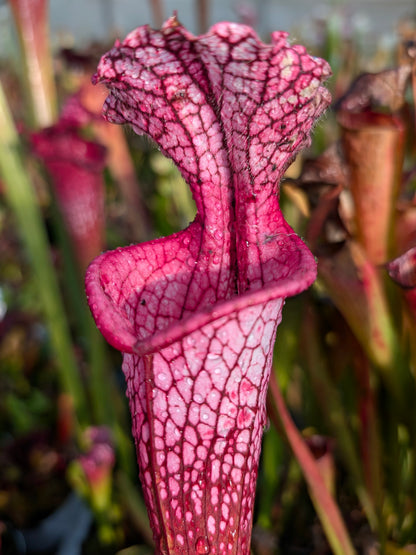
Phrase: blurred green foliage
[352,419]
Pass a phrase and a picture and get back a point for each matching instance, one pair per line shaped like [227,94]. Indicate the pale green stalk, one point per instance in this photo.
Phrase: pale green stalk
[32,25]
[22,201]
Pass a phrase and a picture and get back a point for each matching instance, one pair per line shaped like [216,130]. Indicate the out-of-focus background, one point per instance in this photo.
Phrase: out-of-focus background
[346,349]
[80,22]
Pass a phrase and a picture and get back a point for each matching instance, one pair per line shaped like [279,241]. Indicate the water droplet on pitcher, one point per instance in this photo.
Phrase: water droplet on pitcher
[223,335]
[191,261]
[190,341]
[202,545]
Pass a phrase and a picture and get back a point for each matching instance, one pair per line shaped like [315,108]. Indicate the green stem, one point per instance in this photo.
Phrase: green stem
[107,406]
[22,200]
[135,506]
[272,454]
[330,400]
[98,382]
[157,12]
[325,505]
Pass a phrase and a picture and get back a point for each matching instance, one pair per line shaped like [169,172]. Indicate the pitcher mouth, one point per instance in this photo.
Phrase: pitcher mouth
[175,332]
[120,331]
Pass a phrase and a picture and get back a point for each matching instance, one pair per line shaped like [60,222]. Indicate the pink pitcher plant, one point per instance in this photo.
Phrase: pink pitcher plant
[76,169]
[195,314]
